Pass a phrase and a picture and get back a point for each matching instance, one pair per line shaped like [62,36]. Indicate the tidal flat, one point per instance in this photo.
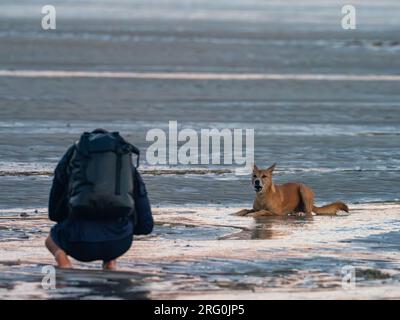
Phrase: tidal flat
[205,252]
[340,137]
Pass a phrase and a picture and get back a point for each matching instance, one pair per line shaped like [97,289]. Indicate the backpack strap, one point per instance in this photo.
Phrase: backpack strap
[127,147]
[82,148]
[82,145]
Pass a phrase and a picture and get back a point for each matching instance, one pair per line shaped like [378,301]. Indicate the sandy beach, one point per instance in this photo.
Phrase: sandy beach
[323,103]
[207,253]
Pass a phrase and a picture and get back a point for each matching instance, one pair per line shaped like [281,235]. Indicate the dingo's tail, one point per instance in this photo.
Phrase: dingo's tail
[330,209]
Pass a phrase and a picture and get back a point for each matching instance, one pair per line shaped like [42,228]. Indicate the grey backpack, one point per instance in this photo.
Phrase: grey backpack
[101,177]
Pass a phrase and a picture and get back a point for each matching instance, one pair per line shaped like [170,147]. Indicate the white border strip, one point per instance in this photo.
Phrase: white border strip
[193,75]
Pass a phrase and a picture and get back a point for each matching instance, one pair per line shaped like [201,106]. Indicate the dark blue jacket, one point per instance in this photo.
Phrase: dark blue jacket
[96,230]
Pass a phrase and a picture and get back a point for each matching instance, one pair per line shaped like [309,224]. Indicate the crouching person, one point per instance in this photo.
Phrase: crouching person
[98,200]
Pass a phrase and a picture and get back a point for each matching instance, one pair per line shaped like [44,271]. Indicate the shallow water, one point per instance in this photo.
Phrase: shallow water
[205,252]
[358,155]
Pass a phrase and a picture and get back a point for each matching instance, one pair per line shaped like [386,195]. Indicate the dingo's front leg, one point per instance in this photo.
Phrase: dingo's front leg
[243,212]
[262,213]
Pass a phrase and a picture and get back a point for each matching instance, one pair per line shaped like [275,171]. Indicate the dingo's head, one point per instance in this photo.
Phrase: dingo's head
[262,179]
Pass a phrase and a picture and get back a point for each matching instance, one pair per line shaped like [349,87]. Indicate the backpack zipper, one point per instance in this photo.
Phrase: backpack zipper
[118,174]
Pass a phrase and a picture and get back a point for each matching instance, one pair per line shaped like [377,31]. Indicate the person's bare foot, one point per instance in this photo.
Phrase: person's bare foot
[110,265]
[59,254]
[62,260]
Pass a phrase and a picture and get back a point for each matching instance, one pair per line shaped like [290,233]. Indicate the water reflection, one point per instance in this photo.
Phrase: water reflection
[273,227]
[76,284]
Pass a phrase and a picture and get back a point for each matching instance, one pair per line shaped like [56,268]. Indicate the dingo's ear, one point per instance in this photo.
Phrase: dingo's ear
[255,168]
[271,168]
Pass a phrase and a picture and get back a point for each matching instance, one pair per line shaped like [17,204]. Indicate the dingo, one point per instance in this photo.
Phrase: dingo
[288,198]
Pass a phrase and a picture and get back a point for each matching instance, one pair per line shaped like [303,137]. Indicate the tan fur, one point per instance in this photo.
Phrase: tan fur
[288,198]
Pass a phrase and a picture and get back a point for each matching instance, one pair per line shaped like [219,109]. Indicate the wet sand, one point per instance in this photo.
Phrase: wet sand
[208,253]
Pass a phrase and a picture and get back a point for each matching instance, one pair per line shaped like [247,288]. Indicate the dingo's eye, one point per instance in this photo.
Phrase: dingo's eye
[264,176]
[254,176]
